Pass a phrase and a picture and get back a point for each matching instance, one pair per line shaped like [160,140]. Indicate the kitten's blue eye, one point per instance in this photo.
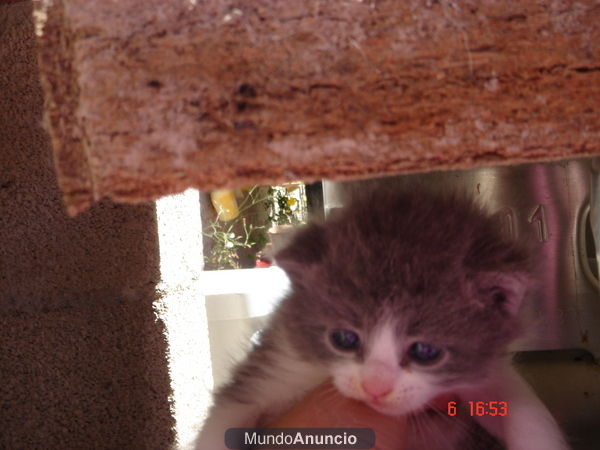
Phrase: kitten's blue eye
[345,339]
[424,353]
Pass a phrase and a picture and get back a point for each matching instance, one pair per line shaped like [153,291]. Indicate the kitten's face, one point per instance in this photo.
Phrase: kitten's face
[396,374]
[395,377]
[400,308]
[398,354]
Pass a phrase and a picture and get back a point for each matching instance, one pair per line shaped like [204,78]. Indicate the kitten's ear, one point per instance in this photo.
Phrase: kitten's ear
[502,291]
[308,247]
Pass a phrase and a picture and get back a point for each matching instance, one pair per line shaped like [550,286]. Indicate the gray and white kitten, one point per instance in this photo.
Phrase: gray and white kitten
[399,298]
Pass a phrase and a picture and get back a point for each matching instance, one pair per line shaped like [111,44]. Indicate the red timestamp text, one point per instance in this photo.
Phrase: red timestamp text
[480,408]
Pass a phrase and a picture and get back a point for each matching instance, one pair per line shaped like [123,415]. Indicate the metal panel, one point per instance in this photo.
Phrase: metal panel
[547,204]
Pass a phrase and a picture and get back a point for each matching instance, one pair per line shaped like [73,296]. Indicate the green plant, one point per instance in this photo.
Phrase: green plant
[283,207]
[242,237]
[228,238]
[226,243]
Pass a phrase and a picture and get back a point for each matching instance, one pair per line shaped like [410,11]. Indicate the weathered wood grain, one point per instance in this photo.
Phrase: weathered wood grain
[146,98]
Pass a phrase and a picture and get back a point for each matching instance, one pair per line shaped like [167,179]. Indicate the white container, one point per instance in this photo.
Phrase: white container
[238,303]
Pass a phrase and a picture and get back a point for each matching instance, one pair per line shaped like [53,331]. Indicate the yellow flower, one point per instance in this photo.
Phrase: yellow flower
[225,204]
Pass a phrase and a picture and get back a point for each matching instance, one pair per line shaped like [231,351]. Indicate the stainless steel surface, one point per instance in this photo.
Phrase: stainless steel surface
[545,204]
[568,382]
[594,212]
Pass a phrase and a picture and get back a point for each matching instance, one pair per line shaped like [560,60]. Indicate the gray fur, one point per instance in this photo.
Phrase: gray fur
[436,265]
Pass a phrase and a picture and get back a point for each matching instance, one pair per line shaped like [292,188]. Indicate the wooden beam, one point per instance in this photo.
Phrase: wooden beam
[146,98]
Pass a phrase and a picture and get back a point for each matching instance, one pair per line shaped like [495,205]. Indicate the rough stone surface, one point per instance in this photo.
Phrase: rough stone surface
[84,378]
[82,356]
[145,98]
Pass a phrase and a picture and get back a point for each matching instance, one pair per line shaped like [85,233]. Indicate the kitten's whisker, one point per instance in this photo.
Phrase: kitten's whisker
[441,436]
[434,432]
[431,432]
[330,390]
[415,422]
[329,394]
[332,400]
[458,422]
[454,420]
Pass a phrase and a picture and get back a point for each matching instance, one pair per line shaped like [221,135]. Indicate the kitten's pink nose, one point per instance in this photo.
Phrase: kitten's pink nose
[377,387]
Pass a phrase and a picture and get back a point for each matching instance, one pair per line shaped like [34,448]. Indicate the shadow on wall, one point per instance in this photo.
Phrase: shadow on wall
[82,357]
